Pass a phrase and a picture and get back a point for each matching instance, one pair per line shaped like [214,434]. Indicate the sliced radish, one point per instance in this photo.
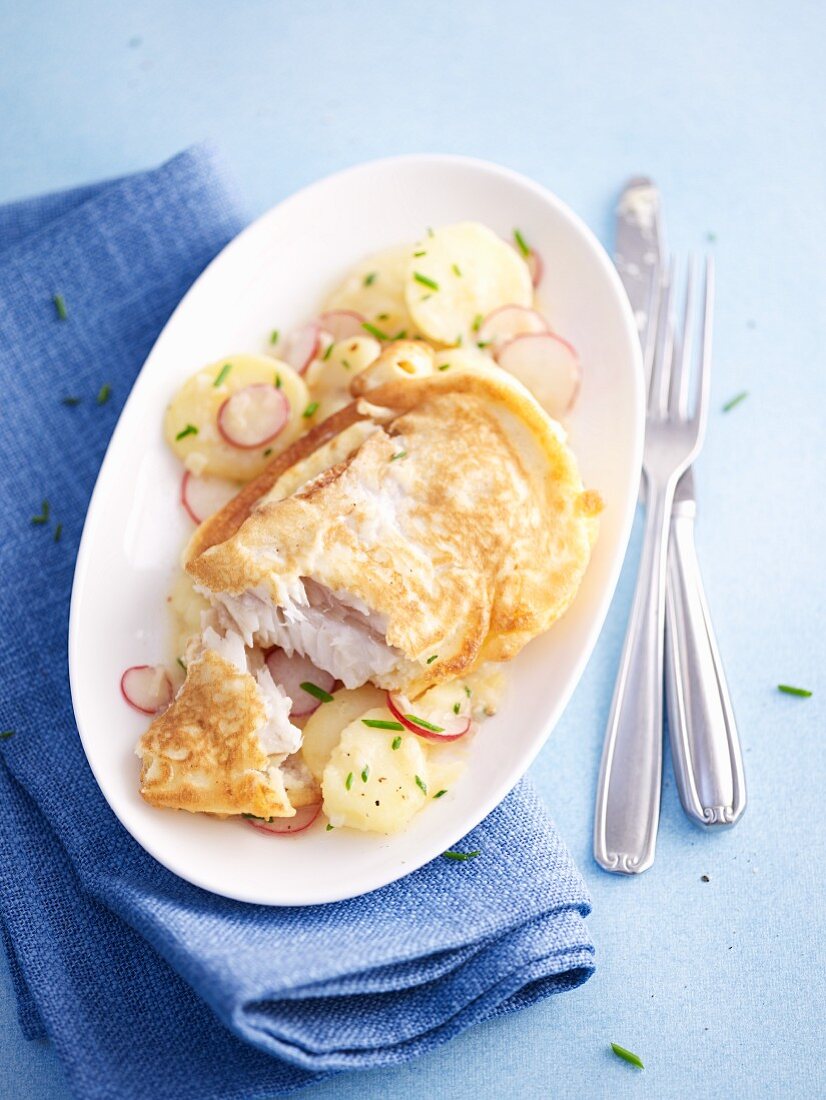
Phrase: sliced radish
[147,688]
[253,416]
[342,324]
[535,266]
[281,826]
[450,728]
[291,673]
[203,496]
[302,346]
[509,321]
[547,365]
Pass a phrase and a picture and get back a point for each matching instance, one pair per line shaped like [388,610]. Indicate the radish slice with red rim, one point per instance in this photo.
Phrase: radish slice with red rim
[342,324]
[547,365]
[203,496]
[302,346]
[147,688]
[291,672]
[282,826]
[505,323]
[535,266]
[253,416]
[448,729]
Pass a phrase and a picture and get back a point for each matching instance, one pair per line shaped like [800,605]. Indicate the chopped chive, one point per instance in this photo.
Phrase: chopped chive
[398,454]
[311,410]
[439,794]
[274,336]
[459,340]
[371,278]
[104,393]
[255,817]
[330,827]
[417,254]
[181,662]
[457,707]
[365,773]
[460,857]
[423,279]
[733,401]
[60,306]
[627,1055]
[430,660]
[420,783]
[425,297]
[190,429]
[787,689]
[44,515]
[268,452]
[522,244]
[345,364]
[380,724]
[328,351]
[58,532]
[456,271]
[483,343]
[467,691]
[348,782]
[6,734]
[396,743]
[424,725]
[400,335]
[377,332]
[222,373]
[477,322]
[317,692]
[70,401]
[277,382]
[445,366]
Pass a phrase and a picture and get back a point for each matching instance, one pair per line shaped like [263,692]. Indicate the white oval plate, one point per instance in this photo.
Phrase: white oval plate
[275,274]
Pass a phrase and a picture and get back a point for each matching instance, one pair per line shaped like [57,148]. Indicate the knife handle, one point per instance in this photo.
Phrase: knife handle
[705,747]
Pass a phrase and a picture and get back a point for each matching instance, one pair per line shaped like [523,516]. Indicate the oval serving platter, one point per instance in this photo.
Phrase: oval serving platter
[275,274]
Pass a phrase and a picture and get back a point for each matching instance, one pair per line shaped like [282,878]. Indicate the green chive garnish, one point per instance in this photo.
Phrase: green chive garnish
[382,316]
[439,794]
[44,515]
[365,773]
[278,379]
[380,724]
[423,279]
[60,306]
[483,343]
[222,373]
[274,336]
[457,707]
[396,743]
[627,1055]
[104,393]
[787,689]
[467,691]
[424,725]
[398,454]
[348,782]
[417,254]
[459,340]
[460,857]
[58,531]
[311,410]
[268,452]
[477,322]
[70,401]
[400,335]
[317,692]
[430,660]
[456,271]
[6,734]
[370,279]
[445,366]
[522,244]
[420,783]
[377,332]
[190,429]
[330,827]
[181,663]
[345,364]
[730,404]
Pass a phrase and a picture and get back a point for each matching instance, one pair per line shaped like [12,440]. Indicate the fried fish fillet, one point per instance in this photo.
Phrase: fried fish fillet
[455,530]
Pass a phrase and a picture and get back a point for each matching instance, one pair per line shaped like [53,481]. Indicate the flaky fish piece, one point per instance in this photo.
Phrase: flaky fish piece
[455,530]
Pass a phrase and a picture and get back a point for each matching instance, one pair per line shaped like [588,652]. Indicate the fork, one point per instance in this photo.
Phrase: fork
[630,777]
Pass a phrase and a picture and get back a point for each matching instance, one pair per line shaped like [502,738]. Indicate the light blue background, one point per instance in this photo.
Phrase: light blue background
[719,987]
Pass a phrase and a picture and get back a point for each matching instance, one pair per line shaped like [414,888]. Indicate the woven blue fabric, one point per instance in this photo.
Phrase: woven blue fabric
[150,987]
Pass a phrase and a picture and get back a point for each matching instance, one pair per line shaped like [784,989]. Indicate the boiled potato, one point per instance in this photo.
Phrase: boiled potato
[329,379]
[324,726]
[371,786]
[375,289]
[199,400]
[461,273]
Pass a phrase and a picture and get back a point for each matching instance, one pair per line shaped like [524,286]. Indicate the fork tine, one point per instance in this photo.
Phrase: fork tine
[661,366]
[681,367]
[704,373]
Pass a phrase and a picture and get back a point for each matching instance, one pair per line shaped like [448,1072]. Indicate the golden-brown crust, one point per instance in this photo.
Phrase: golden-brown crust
[203,753]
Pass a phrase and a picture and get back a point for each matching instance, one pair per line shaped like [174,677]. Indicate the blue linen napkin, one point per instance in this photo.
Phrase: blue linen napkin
[148,986]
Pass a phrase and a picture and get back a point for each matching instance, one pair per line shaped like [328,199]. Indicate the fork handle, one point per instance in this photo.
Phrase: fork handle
[705,747]
[630,777]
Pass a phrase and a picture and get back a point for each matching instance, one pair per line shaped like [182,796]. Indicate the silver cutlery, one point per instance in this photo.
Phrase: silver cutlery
[628,791]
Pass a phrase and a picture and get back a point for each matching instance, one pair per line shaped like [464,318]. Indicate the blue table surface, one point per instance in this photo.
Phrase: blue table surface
[718,985]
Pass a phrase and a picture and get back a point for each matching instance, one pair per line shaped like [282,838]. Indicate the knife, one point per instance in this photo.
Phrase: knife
[705,746]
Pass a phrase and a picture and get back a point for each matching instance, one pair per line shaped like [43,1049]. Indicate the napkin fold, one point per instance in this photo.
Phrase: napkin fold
[148,986]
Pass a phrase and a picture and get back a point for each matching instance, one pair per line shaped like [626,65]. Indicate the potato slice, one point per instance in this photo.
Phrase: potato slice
[199,400]
[324,726]
[375,289]
[329,379]
[464,272]
[371,786]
